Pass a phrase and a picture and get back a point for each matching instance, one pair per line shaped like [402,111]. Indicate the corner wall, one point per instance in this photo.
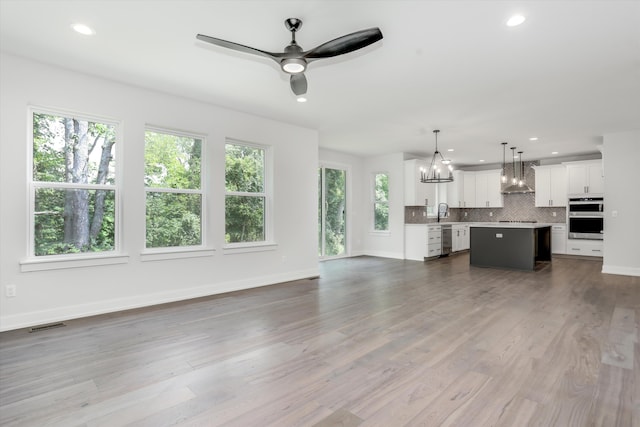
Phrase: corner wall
[622,199]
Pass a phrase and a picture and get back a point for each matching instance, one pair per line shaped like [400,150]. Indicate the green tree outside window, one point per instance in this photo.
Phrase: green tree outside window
[73,185]
[381,202]
[173,182]
[245,195]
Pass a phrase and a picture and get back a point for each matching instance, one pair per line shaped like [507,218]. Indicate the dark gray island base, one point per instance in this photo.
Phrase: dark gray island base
[512,246]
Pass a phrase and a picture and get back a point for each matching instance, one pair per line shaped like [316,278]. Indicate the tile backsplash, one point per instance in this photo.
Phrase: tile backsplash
[517,207]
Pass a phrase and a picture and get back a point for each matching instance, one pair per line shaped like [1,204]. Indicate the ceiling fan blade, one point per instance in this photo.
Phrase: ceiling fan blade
[298,84]
[239,47]
[345,44]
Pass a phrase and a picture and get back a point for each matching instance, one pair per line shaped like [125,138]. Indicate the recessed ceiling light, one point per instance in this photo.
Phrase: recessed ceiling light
[481,161]
[533,138]
[554,152]
[515,20]
[301,99]
[450,149]
[83,29]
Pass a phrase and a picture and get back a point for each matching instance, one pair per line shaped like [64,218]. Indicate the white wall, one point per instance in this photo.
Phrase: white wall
[621,155]
[54,295]
[356,219]
[391,244]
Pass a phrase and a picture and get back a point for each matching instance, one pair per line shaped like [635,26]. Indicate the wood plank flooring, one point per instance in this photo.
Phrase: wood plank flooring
[373,342]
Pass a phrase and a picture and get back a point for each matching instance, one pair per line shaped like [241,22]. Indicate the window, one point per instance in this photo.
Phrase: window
[332,211]
[173,185]
[74,201]
[246,203]
[381,202]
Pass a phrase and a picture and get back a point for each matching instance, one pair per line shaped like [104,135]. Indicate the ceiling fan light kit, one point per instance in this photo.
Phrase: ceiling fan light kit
[294,60]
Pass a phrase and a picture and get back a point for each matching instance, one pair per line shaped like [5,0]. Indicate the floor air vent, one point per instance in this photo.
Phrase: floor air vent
[47,327]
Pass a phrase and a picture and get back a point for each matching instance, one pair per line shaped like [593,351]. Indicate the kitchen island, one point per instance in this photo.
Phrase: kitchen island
[517,246]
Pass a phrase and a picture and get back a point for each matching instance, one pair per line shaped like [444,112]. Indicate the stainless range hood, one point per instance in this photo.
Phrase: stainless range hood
[516,189]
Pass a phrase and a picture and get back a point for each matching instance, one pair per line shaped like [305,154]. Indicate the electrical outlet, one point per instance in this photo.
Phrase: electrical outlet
[413,214]
[614,214]
[10,291]
[553,213]
[465,214]
[424,214]
[490,213]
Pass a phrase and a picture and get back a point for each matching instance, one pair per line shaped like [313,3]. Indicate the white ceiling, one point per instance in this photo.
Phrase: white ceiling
[568,75]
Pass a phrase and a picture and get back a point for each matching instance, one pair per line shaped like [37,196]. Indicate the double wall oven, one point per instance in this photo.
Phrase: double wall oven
[586,218]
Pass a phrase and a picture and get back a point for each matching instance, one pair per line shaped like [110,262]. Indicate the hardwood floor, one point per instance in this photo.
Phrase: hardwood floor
[373,342]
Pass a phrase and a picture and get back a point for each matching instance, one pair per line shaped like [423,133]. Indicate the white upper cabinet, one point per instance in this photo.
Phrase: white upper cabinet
[551,186]
[469,190]
[475,189]
[455,190]
[585,177]
[488,191]
[415,192]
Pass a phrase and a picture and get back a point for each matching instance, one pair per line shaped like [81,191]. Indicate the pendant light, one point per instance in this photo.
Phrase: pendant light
[518,182]
[514,180]
[521,175]
[434,174]
[503,177]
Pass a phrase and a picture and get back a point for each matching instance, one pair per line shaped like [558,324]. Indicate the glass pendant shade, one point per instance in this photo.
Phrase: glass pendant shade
[503,177]
[521,175]
[514,180]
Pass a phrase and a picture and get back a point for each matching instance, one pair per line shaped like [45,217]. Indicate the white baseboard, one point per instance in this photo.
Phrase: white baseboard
[623,271]
[383,254]
[60,314]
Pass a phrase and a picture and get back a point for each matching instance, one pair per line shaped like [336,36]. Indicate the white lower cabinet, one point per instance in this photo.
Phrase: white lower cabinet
[559,239]
[585,247]
[434,240]
[460,237]
[415,241]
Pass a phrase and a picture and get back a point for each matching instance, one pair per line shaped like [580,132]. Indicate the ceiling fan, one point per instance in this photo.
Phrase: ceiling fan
[294,60]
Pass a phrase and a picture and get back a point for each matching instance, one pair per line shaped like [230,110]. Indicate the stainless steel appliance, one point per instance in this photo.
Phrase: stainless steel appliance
[447,239]
[586,218]
[586,206]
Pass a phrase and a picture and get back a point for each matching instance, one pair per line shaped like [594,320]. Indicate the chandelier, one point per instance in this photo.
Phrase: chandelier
[434,175]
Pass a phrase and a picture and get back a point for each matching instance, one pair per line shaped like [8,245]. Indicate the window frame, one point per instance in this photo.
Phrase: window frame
[269,239]
[32,262]
[375,202]
[170,252]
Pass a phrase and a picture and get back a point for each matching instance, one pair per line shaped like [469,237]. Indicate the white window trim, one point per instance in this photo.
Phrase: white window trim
[50,262]
[179,252]
[372,228]
[58,262]
[269,239]
[175,252]
[246,247]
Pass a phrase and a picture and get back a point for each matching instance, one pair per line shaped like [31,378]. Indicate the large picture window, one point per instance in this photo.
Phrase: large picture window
[74,201]
[381,202]
[246,202]
[173,184]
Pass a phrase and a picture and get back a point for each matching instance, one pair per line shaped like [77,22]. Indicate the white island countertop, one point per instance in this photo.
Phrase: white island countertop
[511,224]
